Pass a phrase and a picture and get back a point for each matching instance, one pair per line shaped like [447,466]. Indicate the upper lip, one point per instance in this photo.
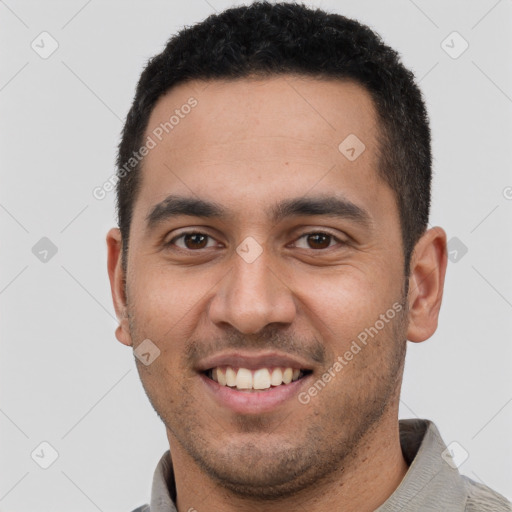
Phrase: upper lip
[252,361]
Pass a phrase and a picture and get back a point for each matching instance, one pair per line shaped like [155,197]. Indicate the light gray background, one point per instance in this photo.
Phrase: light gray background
[66,380]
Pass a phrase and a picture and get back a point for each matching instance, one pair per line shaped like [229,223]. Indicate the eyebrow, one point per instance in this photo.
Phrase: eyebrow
[329,206]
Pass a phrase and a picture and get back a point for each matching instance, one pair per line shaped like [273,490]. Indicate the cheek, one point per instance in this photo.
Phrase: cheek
[162,298]
[343,304]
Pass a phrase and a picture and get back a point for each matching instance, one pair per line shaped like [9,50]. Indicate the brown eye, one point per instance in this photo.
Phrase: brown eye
[192,241]
[195,241]
[317,240]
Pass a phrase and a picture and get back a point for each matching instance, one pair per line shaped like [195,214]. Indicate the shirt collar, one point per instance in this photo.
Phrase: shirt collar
[163,490]
[432,481]
[430,484]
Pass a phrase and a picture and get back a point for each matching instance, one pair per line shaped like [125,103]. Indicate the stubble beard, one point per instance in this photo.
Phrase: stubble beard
[258,469]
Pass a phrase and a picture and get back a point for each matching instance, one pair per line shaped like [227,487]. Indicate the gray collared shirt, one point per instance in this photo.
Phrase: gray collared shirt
[432,482]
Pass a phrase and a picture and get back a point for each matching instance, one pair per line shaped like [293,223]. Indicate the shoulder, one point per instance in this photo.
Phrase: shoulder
[142,508]
[483,499]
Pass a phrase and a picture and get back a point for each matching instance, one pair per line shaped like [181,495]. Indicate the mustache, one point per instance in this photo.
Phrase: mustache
[272,338]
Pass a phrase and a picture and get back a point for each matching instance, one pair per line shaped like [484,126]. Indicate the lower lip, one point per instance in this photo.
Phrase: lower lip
[254,402]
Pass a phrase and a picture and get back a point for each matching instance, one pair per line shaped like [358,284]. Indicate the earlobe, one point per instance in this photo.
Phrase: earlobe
[117,284]
[428,269]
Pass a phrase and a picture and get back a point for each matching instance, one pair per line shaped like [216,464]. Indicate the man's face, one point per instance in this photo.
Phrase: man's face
[306,256]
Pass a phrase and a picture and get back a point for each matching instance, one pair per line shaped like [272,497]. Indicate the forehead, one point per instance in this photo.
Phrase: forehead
[312,114]
[243,141]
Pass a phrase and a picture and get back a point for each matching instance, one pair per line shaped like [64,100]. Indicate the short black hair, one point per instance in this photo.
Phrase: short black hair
[266,39]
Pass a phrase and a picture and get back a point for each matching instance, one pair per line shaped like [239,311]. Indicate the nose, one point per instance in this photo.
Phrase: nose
[253,295]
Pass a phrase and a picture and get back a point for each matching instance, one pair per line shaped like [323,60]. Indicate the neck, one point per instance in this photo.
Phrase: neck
[360,484]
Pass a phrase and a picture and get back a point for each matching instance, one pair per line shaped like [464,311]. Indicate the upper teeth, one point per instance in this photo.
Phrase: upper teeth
[262,378]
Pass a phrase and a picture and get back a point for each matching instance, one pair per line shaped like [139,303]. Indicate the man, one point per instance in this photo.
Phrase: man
[273,258]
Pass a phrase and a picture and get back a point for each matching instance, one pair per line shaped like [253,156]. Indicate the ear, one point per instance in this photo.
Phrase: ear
[117,284]
[426,283]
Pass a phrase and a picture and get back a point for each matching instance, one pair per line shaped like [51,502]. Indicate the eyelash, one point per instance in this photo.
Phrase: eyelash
[333,237]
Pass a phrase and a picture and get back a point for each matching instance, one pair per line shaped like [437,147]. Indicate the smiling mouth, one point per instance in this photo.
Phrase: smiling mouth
[259,380]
